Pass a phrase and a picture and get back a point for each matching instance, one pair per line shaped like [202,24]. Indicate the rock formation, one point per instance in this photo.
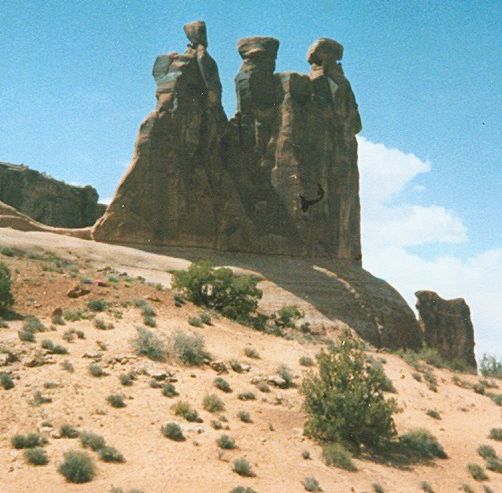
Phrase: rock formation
[280,177]
[46,200]
[447,326]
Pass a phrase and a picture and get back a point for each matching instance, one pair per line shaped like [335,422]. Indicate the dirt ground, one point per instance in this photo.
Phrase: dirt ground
[272,442]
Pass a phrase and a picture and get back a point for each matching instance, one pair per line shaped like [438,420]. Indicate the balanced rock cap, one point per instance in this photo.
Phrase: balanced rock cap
[324,50]
[196,33]
[258,45]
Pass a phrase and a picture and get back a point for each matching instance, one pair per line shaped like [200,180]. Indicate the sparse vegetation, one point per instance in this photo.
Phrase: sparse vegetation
[242,489]
[487,452]
[311,484]
[96,371]
[39,399]
[222,384]
[244,416]
[91,440]
[377,488]
[477,472]
[421,443]
[127,379]
[432,413]
[6,381]
[116,400]
[306,361]
[67,431]
[148,344]
[263,387]
[36,456]
[247,396]
[31,440]
[67,366]
[226,442]
[185,410]
[53,348]
[97,305]
[242,467]
[111,454]
[6,297]
[195,321]
[306,455]
[495,434]
[335,454]
[490,366]
[173,432]
[189,349]
[213,403]
[78,467]
[287,316]
[205,318]
[169,390]
[285,373]
[345,401]
[425,486]
[251,352]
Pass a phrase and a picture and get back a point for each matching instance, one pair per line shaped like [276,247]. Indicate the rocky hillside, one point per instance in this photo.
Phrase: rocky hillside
[83,375]
[46,200]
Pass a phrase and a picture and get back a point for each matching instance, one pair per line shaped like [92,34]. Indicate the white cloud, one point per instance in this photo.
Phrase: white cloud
[390,225]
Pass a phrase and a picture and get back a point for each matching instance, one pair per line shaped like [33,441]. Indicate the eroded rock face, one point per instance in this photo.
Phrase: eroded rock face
[280,177]
[47,200]
[447,326]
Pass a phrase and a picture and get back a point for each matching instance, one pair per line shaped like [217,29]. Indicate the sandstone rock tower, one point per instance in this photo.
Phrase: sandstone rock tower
[280,177]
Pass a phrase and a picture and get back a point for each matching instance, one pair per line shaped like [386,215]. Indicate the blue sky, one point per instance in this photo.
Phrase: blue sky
[75,83]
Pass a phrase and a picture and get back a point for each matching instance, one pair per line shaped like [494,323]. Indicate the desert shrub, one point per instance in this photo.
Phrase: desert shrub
[467,489]
[425,486]
[311,484]
[497,398]
[251,352]
[148,344]
[213,403]
[116,400]
[487,489]
[345,400]
[222,384]
[57,318]
[263,387]
[226,442]
[77,467]
[68,431]
[242,489]
[236,366]
[173,432]
[477,472]
[6,297]
[148,310]
[247,396]
[91,440]
[6,381]
[479,388]
[287,316]
[377,488]
[285,373]
[169,390]
[195,321]
[335,454]
[97,305]
[149,321]
[242,467]
[189,349]
[53,348]
[306,361]
[306,455]
[100,324]
[432,413]
[244,416]
[421,443]
[487,452]
[39,399]
[96,371]
[216,424]
[31,440]
[26,335]
[494,464]
[111,454]
[417,376]
[69,335]
[205,318]
[431,381]
[495,434]
[236,297]
[8,252]
[127,379]
[185,410]
[36,456]
[490,366]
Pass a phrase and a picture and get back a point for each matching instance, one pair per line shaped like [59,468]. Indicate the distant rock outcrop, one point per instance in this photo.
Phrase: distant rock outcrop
[280,177]
[447,326]
[46,200]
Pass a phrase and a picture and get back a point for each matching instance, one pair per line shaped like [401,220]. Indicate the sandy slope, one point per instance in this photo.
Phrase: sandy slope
[273,442]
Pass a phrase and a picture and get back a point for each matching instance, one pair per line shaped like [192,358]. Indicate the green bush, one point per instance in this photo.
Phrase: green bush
[91,440]
[432,413]
[169,390]
[247,396]
[495,434]
[494,464]
[222,384]
[487,452]
[111,454]
[195,321]
[306,361]
[173,432]
[345,400]
[78,467]
[477,472]
[421,443]
[242,489]
[185,410]
[97,305]
[490,366]
[335,454]
[287,316]
[189,349]
[127,379]
[6,297]
[30,440]
[67,431]
[96,371]
[6,381]
[236,297]
[243,468]
[226,442]
[205,318]
[311,484]
[36,456]
[149,345]
[244,416]
[251,353]
[213,403]
[116,400]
